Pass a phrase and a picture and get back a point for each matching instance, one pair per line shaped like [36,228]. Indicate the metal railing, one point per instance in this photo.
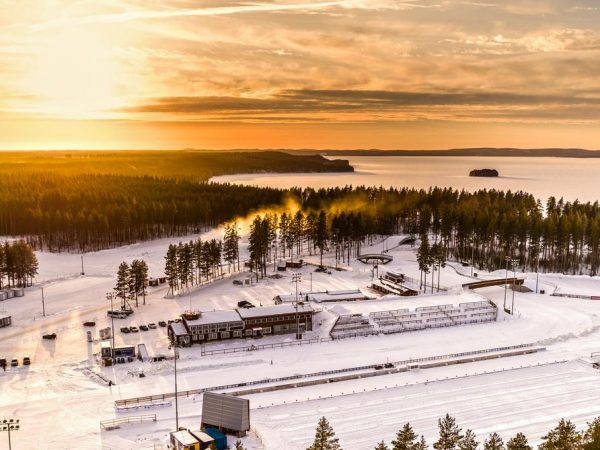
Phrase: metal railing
[113,424]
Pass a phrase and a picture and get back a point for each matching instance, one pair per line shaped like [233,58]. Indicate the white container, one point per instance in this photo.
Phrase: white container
[19,292]
[3,296]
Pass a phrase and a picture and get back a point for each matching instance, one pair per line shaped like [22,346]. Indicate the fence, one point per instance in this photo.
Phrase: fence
[251,348]
[584,297]
[113,424]
[152,398]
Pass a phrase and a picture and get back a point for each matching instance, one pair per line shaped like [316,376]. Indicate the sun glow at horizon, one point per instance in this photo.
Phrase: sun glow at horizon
[72,74]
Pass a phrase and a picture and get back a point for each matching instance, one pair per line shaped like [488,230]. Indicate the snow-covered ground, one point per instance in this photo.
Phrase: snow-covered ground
[60,401]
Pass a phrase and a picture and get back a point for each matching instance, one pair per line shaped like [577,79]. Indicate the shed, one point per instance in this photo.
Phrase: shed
[5,321]
[226,413]
[219,438]
[18,292]
[281,266]
[3,296]
[206,440]
[184,440]
[9,293]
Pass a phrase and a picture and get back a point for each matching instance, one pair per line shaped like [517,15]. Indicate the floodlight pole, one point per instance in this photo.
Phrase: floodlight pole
[472,253]
[109,296]
[507,258]
[512,307]
[43,305]
[296,278]
[9,425]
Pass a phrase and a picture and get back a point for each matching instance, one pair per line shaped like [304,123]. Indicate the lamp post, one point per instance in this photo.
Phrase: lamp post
[109,296]
[537,270]
[43,304]
[297,278]
[9,425]
[273,255]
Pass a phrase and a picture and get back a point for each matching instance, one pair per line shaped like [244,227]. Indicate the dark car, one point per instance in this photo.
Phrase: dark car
[162,323]
[14,362]
[89,323]
[2,362]
[50,336]
[378,367]
[144,327]
[238,282]
[245,304]
[26,361]
[125,330]
[388,365]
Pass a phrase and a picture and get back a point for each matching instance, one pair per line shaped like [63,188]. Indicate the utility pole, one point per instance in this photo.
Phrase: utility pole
[82,272]
[109,296]
[296,278]
[9,425]
[311,289]
[43,305]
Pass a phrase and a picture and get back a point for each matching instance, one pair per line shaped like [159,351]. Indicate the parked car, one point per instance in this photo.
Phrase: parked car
[152,326]
[125,330]
[388,365]
[245,304]
[14,362]
[89,323]
[171,321]
[117,314]
[238,282]
[50,336]
[2,362]
[133,329]
[177,320]
[144,327]
[162,323]
[378,367]
[26,361]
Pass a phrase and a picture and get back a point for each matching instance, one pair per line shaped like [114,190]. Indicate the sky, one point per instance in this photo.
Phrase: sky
[390,74]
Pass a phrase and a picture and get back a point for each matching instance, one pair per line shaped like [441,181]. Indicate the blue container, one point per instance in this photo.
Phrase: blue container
[220,438]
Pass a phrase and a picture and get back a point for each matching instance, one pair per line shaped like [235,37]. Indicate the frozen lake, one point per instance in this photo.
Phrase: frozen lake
[570,178]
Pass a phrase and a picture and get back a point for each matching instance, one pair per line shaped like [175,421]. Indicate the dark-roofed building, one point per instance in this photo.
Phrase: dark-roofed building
[279,319]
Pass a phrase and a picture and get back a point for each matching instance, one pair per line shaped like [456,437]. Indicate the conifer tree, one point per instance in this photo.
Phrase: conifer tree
[493,442]
[321,234]
[421,444]
[563,437]
[122,287]
[405,438]
[449,436]
[468,442]
[171,267]
[591,436]
[519,442]
[239,445]
[381,446]
[324,437]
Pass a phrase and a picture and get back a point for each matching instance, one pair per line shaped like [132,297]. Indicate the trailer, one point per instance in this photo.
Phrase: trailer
[5,321]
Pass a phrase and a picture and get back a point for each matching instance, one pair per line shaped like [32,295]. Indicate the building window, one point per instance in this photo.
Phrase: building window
[248,332]
[237,334]
[267,330]
[225,335]
[213,336]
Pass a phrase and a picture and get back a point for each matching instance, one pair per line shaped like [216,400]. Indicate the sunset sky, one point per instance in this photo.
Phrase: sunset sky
[415,74]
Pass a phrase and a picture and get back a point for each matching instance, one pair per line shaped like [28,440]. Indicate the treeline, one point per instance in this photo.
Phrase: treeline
[93,212]
[563,437]
[191,263]
[486,225]
[18,264]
